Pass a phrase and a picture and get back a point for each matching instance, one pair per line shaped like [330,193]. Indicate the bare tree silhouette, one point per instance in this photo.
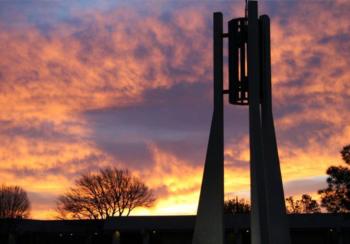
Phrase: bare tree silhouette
[109,192]
[14,202]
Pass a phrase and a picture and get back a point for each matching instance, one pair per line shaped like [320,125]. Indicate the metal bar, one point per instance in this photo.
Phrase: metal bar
[242,55]
[233,61]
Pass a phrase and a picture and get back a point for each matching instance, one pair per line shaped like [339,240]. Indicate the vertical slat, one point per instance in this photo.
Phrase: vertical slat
[233,61]
[245,84]
[242,55]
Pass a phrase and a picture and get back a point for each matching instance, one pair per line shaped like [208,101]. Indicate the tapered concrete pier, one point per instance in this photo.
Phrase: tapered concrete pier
[209,227]
[249,85]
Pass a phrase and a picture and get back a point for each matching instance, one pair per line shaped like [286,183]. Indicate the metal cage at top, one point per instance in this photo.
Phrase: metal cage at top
[237,59]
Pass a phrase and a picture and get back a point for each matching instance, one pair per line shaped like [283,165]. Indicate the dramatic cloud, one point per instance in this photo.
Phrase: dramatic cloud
[86,85]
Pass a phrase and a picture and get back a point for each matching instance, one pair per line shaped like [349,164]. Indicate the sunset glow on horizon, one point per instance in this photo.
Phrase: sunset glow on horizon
[89,84]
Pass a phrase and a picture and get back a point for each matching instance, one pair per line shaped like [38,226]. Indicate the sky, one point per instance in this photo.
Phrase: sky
[90,84]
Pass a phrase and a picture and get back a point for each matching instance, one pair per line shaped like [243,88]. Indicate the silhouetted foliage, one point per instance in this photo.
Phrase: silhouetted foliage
[309,205]
[336,197]
[304,205]
[292,205]
[110,192]
[236,206]
[14,202]
[345,153]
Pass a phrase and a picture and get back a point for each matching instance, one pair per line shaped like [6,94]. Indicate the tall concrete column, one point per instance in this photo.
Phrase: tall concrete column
[209,226]
[269,224]
[259,221]
[276,209]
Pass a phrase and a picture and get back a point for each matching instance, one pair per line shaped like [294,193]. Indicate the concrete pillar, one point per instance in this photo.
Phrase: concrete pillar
[209,226]
[278,227]
[116,237]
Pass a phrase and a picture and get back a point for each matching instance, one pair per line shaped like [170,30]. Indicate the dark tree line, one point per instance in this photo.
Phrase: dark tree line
[304,205]
[294,206]
[106,193]
[236,206]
